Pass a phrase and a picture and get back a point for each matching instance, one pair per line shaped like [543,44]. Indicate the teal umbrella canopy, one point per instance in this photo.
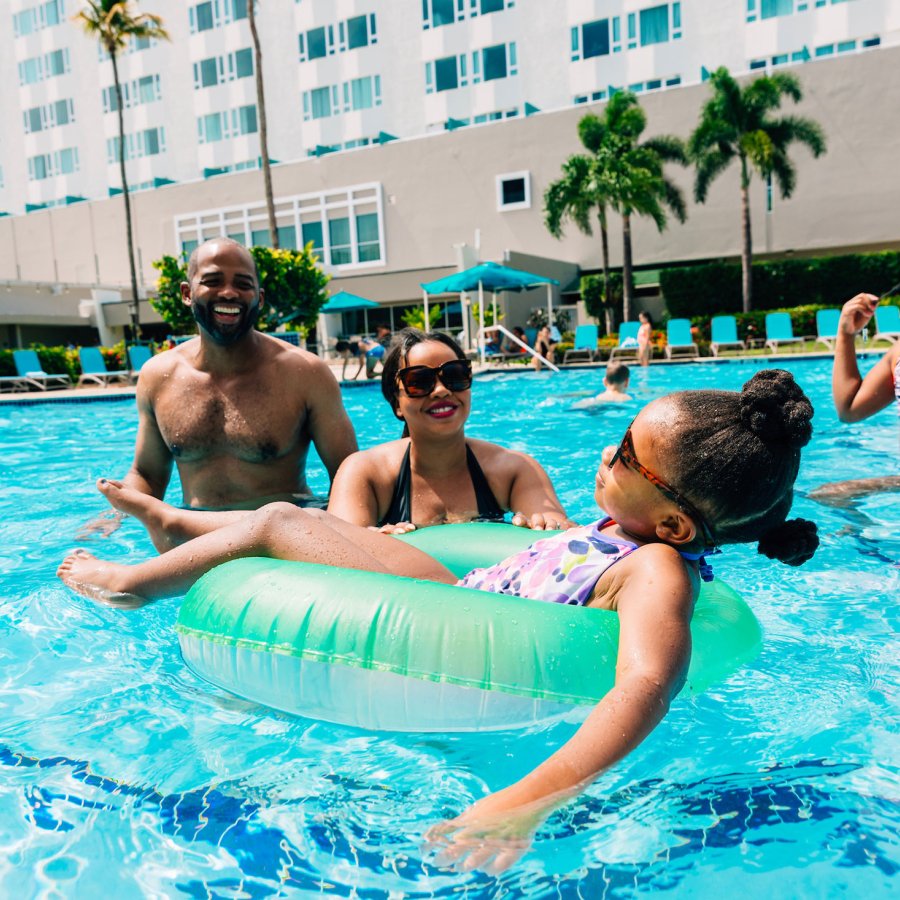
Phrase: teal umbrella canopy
[346,302]
[491,276]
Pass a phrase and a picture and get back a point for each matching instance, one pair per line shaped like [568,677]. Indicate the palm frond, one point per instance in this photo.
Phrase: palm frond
[709,167]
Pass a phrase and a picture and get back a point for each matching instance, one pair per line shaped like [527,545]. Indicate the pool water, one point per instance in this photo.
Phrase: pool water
[124,775]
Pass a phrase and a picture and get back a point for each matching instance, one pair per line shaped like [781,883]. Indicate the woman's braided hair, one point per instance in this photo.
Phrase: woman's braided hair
[736,457]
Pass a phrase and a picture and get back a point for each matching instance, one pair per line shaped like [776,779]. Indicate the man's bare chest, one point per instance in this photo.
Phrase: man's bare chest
[252,425]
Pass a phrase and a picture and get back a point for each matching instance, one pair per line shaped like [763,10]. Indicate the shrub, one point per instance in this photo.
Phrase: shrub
[292,280]
[715,287]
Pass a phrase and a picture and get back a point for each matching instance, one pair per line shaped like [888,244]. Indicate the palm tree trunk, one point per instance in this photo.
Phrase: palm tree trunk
[263,127]
[627,279]
[604,249]
[747,242]
[135,301]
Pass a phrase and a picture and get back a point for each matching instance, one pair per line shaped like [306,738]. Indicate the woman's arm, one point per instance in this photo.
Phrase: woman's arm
[353,496]
[655,605]
[531,495]
[855,397]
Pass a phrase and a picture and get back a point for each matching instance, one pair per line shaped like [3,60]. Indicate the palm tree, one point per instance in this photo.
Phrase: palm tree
[737,123]
[263,127]
[619,174]
[582,190]
[113,24]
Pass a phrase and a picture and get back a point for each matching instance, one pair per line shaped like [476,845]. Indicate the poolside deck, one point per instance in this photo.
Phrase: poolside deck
[122,392]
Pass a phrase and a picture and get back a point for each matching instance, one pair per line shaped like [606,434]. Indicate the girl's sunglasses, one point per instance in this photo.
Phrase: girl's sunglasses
[419,381]
[625,453]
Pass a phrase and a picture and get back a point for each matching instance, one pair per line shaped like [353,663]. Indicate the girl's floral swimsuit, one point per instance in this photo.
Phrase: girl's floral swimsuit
[564,568]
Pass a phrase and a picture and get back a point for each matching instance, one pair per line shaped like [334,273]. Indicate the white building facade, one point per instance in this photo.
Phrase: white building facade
[375,108]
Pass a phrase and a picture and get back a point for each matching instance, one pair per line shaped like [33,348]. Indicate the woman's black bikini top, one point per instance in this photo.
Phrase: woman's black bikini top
[400,509]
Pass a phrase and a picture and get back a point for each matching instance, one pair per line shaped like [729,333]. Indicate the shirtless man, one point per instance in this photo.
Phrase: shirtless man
[234,409]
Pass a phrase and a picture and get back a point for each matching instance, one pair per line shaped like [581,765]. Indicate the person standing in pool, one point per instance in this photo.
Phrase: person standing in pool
[434,474]
[233,409]
[857,398]
[694,471]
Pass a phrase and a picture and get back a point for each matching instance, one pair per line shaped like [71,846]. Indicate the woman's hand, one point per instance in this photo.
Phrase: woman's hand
[396,528]
[542,521]
[856,313]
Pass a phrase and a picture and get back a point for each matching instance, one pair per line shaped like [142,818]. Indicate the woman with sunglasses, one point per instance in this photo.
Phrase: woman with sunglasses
[695,470]
[434,474]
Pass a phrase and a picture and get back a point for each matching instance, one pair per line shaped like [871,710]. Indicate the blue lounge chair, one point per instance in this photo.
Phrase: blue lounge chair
[585,343]
[826,326]
[93,368]
[887,323]
[679,338]
[138,354]
[12,383]
[779,330]
[530,336]
[724,334]
[628,345]
[28,368]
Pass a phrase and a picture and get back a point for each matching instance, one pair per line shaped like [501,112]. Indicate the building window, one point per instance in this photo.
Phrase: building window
[436,13]
[36,18]
[654,25]
[590,40]
[219,69]
[494,62]
[149,142]
[362,93]
[358,32]
[769,9]
[491,6]
[445,74]
[514,191]
[317,43]
[223,125]
[343,225]
[215,14]
[145,89]
[40,68]
[49,165]
[50,115]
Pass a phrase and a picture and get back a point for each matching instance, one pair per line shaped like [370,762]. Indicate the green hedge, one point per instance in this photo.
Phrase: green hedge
[715,288]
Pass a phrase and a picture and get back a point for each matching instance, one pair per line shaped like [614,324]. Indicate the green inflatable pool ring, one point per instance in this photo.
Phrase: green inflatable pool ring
[381,652]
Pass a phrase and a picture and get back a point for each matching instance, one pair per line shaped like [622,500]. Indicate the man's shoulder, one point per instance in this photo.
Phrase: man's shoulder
[291,356]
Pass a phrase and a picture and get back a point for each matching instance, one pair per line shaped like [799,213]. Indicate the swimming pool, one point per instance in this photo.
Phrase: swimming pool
[123,775]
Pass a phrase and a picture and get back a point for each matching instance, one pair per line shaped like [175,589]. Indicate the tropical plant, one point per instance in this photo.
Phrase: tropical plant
[292,280]
[581,191]
[415,317]
[488,315]
[537,318]
[602,301]
[737,123]
[263,126]
[113,24]
[620,174]
[168,302]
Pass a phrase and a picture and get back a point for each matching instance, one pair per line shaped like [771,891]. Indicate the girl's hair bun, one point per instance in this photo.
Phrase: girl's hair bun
[775,409]
[792,542]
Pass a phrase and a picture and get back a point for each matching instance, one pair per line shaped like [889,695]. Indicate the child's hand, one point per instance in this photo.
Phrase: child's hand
[490,842]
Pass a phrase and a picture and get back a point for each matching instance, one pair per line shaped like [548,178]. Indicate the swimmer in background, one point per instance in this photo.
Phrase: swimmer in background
[615,380]
[694,471]
[348,351]
[645,338]
[857,398]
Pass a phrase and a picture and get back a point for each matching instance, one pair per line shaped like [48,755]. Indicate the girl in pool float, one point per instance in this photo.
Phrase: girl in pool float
[695,470]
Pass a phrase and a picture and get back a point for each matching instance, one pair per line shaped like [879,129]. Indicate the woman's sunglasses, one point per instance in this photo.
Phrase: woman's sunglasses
[419,381]
[625,453]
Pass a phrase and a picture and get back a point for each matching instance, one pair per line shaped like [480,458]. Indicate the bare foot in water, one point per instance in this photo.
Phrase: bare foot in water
[155,515]
[99,580]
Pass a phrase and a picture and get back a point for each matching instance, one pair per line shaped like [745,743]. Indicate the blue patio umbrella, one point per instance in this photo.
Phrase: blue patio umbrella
[344,301]
[489,276]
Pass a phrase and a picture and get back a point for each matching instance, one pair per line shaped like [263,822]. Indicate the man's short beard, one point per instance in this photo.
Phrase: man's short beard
[225,339]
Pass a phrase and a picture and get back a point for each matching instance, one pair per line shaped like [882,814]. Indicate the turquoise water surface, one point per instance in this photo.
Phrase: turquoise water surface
[123,775]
